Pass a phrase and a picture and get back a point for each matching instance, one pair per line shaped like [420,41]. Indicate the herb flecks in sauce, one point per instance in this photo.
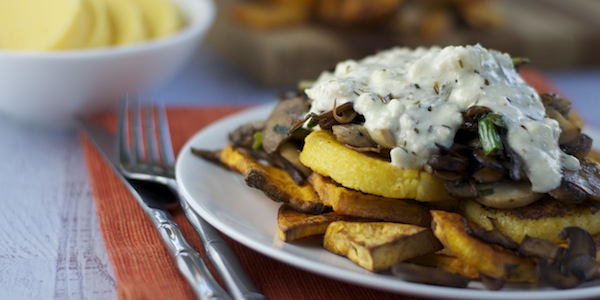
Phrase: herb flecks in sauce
[481,77]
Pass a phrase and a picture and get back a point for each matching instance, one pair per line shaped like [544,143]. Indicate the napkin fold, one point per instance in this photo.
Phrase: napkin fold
[143,267]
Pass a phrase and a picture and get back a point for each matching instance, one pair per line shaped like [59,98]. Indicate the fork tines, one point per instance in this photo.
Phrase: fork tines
[141,142]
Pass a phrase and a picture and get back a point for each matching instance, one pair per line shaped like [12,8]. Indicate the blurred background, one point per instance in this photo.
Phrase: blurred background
[278,42]
[252,49]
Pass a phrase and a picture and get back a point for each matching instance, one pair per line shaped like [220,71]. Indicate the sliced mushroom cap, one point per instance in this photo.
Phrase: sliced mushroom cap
[338,115]
[575,264]
[291,154]
[587,179]
[584,267]
[281,120]
[462,189]
[355,135]
[344,113]
[579,147]
[476,110]
[213,156]
[550,274]
[568,192]
[487,160]
[569,132]
[471,117]
[383,137]
[514,163]
[448,175]
[506,194]
[428,275]
[281,162]
[493,236]
[243,136]
[541,248]
[580,256]
[448,162]
[562,105]
[580,241]
[488,175]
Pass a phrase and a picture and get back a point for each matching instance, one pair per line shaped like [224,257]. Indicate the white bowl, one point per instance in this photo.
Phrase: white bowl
[53,87]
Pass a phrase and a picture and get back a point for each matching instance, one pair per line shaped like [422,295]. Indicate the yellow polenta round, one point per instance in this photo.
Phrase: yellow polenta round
[101,31]
[162,17]
[34,25]
[369,174]
[128,22]
[542,219]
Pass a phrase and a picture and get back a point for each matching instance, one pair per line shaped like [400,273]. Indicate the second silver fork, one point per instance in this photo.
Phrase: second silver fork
[155,162]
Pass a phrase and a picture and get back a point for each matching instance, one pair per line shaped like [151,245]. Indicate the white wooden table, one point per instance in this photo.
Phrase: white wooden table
[50,243]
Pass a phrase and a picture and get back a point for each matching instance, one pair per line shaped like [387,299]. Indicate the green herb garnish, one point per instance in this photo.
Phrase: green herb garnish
[519,61]
[489,135]
[258,140]
[305,84]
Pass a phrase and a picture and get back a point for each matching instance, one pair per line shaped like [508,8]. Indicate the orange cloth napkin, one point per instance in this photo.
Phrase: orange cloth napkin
[142,265]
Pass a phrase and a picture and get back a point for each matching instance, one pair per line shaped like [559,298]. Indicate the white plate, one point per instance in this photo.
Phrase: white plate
[249,217]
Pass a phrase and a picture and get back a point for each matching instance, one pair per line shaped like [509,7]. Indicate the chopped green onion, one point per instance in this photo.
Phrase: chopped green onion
[488,133]
[305,84]
[258,139]
[496,119]
[519,61]
[312,122]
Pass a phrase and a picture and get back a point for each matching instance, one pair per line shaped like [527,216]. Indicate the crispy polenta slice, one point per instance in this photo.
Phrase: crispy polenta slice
[542,219]
[376,246]
[295,225]
[274,182]
[353,203]
[359,171]
[492,261]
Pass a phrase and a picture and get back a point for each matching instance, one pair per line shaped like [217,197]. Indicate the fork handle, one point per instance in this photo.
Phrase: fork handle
[188,260]
[222,258]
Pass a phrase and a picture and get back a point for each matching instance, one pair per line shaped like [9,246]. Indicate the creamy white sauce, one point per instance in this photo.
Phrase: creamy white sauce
[418,95]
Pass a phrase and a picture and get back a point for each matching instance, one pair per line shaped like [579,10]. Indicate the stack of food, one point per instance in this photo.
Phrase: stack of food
[440,164]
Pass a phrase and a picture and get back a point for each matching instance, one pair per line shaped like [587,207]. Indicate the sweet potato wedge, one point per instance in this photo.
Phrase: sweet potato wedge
[353,203]
[492,261]
[448,263]
[376,246]
[274,182]
[295,225]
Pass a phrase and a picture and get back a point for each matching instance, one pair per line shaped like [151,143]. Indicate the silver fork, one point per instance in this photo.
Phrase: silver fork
[157,166]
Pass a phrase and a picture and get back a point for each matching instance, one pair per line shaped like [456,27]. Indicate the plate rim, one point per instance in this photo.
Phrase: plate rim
[381,282]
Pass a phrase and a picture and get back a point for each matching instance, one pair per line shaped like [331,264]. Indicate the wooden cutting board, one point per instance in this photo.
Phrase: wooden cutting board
[554,34]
